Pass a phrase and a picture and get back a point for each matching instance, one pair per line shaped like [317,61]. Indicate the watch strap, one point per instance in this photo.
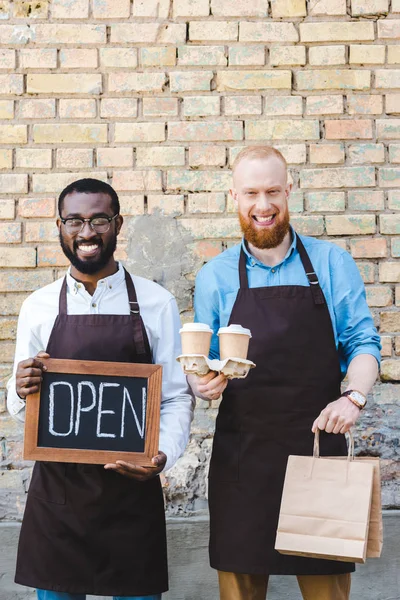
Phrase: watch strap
[350,396]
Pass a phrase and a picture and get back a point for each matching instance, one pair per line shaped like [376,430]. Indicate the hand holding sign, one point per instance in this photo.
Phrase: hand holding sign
[140,473]
[29,375]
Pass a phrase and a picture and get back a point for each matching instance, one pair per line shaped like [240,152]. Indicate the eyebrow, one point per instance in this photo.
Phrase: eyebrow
[78,216]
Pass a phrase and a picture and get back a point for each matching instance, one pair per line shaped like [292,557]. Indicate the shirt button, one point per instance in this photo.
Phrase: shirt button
[94,304]
[110,287]
[273,270]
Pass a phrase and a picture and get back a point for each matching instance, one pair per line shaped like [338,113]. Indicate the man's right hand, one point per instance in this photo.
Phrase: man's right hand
[29,375]
[208,387]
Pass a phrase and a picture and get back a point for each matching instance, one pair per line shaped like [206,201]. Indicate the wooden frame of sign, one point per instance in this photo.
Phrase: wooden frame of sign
[149,430]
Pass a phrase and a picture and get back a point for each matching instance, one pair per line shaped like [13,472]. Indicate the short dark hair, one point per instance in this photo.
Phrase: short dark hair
[90,186]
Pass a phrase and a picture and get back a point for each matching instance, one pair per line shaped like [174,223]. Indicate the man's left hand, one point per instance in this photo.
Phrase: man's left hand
[338,417]
[135,471]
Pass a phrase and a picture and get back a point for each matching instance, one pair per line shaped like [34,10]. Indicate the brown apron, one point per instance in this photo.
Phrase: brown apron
[87,530]
[267,416]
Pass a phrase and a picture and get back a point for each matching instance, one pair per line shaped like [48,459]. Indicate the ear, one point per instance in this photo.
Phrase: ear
[234,195]
[58,223]
[288,189]
[119,222]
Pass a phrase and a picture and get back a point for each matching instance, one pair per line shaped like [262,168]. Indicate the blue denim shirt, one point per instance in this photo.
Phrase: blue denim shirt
[217,284]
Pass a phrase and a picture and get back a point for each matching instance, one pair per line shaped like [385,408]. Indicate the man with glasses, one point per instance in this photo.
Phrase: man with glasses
[93,529]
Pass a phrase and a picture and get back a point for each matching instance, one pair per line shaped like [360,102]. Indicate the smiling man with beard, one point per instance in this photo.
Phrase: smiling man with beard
[304,301]
[93,529]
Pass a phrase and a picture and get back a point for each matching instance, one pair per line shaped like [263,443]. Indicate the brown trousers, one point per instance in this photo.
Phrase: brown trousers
[239,586]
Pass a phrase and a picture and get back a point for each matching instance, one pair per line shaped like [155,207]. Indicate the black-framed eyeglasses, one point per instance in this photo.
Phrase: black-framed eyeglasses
[98,224]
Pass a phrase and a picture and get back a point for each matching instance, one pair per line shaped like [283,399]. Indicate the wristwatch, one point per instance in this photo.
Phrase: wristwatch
[356,397]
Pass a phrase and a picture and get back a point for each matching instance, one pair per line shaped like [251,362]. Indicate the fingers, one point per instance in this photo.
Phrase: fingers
[214,388]
[133,471]
[29,375]
[337,417]
[159,460]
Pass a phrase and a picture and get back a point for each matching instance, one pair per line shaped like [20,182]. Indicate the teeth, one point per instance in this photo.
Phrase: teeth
[265,219]
[88,248]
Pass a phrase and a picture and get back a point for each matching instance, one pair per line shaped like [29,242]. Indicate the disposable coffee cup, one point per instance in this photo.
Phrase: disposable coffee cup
[233,341]
[196,338]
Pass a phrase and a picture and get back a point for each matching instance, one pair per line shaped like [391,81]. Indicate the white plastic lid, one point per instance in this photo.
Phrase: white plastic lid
[235,329]
[202,327]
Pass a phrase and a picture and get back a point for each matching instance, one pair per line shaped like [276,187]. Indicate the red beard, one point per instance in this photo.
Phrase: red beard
[265,238]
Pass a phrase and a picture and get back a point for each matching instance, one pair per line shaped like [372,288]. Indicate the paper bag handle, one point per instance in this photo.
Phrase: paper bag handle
[350,455]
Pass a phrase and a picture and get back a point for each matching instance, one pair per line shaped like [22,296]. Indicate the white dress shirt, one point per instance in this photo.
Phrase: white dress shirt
[160,315]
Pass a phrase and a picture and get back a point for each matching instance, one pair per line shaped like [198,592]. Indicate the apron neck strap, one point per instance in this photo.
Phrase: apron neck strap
[244,282]
[62,301]
[137,323]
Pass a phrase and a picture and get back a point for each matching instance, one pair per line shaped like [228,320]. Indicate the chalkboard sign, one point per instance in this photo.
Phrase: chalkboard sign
[94,412]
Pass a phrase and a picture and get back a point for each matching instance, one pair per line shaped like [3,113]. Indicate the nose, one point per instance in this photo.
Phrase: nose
[263,201]
[87,231]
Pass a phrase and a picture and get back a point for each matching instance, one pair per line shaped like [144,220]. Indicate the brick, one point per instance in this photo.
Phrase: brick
[132,205]
[350,224]
[13,184]
[8,328]
[10,304]
[362,54]
[327,7]
[198,181]
[203,31]
[320,105]
[190,81]
[71,33]
[253,80]
[207,156]
[114,157]
[156,156]
[389,272]
[160,107]
[282,129]
[212,228]
[116,58]
[148,33]
[41,231]
[4,9]
[390,322]
[139,132]
[326,153]
[70,9]
[366,200]
[75,158]
[245,56]
[386,343]
[332,31]
[84,108]
[266,31]
[71,133]
[397,292]
[243,105]
[25,281]
[7,58]
[201,106]
[6,109]
[389,177]
[113,108]
[18,258]
[32,10]
[387,129]
[338,178]
[287,55]
[78,58]
[7,210]
[36,207]
[57,83]
[369,248]
[15,34]
[308,225]
[369,7]
[209,131]
[296,202]
[109,9]
[51,256]
[31,158]
[396,6]
[202,56]
[365,105]
[239,8]
[379,295]
[55,182]
[366,153]
[191,8]
[367,271]
[389,224]
[11,84]
[43,58]
[168,204]
[351,129]
[389,29]
[326,201]
[396,247]
[393,55]
[325,79]
[387,78]
[38,108]
[293,153]
[13,134]
[137,180]
[393,104]
[394,199]
[10,233]
[206,203]
[158,56]
[283,105]
[394,153]
[6,159]
[158,9]
[288,8]
[136,82]
[327,55]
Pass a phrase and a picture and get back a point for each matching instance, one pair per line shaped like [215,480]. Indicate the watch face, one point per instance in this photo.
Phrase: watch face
[359,398]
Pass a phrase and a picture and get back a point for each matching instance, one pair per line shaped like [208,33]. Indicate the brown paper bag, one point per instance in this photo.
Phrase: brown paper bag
[375,534]
[325,508]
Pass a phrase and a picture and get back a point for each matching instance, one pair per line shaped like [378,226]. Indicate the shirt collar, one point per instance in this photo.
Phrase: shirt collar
[254,261]
[110,282]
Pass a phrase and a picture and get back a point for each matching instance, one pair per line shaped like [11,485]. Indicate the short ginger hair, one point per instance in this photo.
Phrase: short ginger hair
[258,152]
